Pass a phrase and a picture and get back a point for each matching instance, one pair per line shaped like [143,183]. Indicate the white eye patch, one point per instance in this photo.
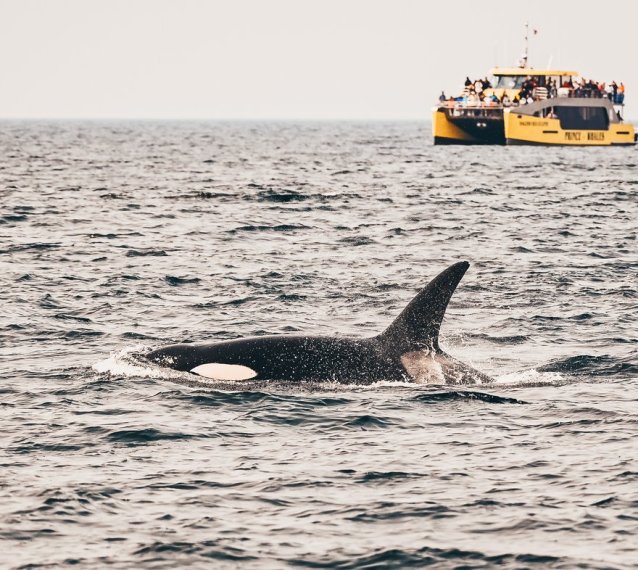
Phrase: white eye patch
[217,371]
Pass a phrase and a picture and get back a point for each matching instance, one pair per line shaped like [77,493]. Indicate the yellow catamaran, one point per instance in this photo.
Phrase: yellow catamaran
[526,105]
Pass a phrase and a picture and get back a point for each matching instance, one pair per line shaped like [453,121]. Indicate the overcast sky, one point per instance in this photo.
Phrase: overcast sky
[309,59]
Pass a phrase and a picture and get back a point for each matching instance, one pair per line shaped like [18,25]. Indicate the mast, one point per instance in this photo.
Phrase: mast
[523,61]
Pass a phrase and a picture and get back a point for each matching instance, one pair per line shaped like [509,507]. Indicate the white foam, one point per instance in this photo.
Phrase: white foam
[529,378]
[121,364]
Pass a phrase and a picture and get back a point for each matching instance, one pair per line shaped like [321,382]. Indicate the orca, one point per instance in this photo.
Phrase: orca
[407,351]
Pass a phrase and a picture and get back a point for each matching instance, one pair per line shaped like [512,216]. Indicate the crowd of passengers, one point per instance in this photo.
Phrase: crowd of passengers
[537,89]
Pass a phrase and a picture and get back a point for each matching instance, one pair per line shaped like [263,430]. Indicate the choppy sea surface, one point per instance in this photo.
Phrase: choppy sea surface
[116,238]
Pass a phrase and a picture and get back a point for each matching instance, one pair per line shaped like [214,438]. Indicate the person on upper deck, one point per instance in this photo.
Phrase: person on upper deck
[601,90]
[621,93]
[614,91]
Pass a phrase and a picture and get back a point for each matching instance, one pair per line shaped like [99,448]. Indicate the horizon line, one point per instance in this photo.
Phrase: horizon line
[216,119]
[424,119]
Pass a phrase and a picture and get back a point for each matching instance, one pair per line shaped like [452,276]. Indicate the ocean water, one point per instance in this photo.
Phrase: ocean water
[116,238]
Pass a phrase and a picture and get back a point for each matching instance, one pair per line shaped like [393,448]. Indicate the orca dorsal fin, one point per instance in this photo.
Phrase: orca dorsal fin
[418,325]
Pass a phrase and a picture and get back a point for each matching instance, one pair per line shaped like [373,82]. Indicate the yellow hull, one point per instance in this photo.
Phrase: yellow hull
[445,131]
[527,129]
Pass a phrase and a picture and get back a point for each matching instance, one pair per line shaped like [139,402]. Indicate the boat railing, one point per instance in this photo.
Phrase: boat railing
[473,110]
[491,108]
[588,93]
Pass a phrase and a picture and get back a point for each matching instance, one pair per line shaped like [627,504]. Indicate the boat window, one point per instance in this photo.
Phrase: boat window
[591,118]
[509,81]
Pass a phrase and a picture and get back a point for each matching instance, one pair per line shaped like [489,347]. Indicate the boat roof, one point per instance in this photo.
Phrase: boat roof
[529,71]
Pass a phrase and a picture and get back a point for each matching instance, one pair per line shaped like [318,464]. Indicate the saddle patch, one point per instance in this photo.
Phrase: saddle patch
[422,367]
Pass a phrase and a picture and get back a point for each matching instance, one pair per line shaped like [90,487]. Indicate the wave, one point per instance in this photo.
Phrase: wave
[146,253]
[604,365]
[426,556]
[209,550]
[465,395]
[265,228]
[176,281]
[281,196]
[145,435]
[37,246]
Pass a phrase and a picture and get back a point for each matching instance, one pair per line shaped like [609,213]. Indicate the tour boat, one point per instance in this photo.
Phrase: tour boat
[526,105]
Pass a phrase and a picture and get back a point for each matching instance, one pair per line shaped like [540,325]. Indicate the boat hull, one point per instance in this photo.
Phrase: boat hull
[521,129]
[582,122]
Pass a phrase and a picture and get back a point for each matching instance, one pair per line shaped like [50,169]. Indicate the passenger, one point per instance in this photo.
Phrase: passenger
[584,89]
[551,114]
[505,100]
[621,93]
[442,97]
[614,91]
[468,82]
[601,90]
[527,88]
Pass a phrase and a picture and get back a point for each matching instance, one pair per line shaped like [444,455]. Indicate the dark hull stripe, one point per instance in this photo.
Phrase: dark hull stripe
[446,140]
[535,143]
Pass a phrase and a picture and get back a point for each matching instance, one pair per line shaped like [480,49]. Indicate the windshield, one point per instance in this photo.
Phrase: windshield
[509,81]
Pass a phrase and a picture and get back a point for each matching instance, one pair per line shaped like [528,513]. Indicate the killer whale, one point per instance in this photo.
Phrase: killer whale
[408,350]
